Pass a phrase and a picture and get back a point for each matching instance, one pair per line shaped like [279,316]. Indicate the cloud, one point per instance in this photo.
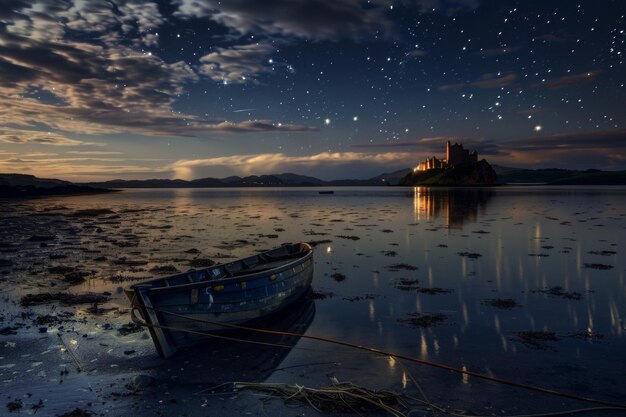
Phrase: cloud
[13,75]
[142,17]
[605,149]
[453,87]
[495,80]
[38,154]
[602,139]
[341,164]
[259,126]
[311,19]
[569,80]
[79,52]
[94,153]
[272,162]
[49,19]
[486,81]
[83,169]
[21,137]
[600,149]
[428,143]
[436,145]
[236,64]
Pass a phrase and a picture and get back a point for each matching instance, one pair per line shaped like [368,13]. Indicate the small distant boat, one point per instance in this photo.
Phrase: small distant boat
[326,192]
[184,309]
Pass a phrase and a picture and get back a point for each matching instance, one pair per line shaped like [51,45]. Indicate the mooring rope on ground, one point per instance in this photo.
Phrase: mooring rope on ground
[71,353]
[408,358]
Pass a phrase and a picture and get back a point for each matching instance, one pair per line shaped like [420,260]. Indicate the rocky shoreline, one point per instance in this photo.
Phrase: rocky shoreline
[22,186]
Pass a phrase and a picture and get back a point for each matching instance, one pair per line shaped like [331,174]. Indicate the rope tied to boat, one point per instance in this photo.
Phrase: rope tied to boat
[376,351]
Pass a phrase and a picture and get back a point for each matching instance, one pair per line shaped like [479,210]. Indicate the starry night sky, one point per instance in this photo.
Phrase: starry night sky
[95,90]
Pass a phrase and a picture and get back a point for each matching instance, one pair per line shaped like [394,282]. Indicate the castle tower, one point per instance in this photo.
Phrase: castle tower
[455,155]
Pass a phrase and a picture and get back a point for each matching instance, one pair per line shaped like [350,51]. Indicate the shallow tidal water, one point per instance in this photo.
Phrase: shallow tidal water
[523,283]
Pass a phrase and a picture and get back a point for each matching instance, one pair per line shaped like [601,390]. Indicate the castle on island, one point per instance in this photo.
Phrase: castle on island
[455,155]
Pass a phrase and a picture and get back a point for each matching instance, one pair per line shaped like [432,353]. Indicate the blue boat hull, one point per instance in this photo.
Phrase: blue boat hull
[181,315]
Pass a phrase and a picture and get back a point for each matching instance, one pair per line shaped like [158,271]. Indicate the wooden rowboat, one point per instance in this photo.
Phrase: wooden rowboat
[184,309]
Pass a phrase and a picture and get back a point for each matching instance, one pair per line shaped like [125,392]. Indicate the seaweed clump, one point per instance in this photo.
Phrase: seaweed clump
[201,263]
[130,328]
[164,269]
[77,412]
[501,303]
[63,298]
[338,276]
[322,295]
[602,267]
[560,292]
[360,297]
[341,397]
[15,405]
[348,237]
[537,339]
[92,212]
[406,284]
[602,252]
[399,267]
[470,255]
[424,320]
[314,243]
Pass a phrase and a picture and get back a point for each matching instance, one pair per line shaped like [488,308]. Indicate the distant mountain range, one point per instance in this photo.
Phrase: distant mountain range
[19,185]
[505,175]
[275,180]
[555,176]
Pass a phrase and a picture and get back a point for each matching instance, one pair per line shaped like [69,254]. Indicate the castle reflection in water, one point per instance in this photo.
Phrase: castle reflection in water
[456,205]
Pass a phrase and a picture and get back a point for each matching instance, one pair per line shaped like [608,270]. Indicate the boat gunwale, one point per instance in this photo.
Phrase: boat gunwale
[308,254]
[204,313]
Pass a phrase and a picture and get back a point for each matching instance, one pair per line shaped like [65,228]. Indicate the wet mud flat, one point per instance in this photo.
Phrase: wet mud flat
[389,273]
[68,346]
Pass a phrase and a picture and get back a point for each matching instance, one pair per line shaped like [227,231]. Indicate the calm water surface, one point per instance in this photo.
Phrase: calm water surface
[388,254]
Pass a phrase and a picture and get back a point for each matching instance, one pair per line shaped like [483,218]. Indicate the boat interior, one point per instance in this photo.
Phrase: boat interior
[257,263]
